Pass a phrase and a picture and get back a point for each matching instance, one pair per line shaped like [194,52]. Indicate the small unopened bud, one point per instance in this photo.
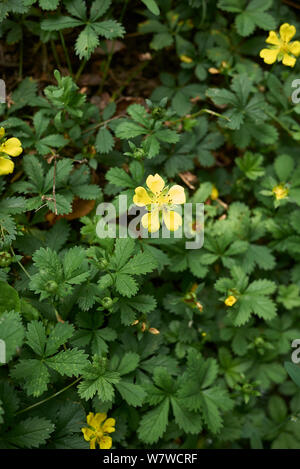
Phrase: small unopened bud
[51,286]
[134,323]
[102,263]
[107,302]
[143,328]
[199,306]
[5,259]
[213,70]
[154,331]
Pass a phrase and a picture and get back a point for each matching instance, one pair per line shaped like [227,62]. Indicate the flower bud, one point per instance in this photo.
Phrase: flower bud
[154,331]
[107,302]
[5,259]
[51,286]
[102,263]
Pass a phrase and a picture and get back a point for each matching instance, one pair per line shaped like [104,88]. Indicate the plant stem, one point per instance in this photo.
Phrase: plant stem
[198,113]
[109,58]
[66,52]
[280,123]
[48,398]
[79,72]
[20,264]
[102,123]
[55,55]
[21,59]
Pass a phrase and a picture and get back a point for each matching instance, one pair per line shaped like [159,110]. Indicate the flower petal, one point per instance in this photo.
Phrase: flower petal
[93,443]
[12,147]
[177,195]
[273,39]
[288,60]
[95,420]
[155,183]
[172,220]
[98,419]
[294,48]
[88,433]
[105,442]
[150,221]
[108,426]
[141,197]
[269,55]
[6,166]
[287,32]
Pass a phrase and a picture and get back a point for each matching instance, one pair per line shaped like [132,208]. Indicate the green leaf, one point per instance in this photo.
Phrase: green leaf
[152,6]
[76,8]
[251,165]
[30,433]
[140,264]
[126,285]
[187,421]
[36,337]
[119,178]
[58,336]
[123,250]
[284,165]
[11,332]
[110,29]
[127,130]
[98,8]
[57,23]
[128,363]
[289,296]
[86,42]
[49,4]
[154,423]
[9,298]
[133,394]
[68,362]
[277,409]
[104,141]
[34,374]
[293,371]
[96,379]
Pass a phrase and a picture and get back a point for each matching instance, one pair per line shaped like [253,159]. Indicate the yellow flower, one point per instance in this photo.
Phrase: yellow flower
[11,147]
[6,166]
[230,300]
[159,199]
[97,431]
[214,193]
[281,48]
[280,192]
[186,59]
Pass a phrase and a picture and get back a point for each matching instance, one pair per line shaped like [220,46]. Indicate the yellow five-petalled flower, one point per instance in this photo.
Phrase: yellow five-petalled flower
[10,147]
[97,431]
[159,200]
[282,49]
[230,300]
[280,192]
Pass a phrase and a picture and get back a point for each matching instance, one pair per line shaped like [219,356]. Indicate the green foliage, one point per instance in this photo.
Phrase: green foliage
[88,39]
[184,348]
